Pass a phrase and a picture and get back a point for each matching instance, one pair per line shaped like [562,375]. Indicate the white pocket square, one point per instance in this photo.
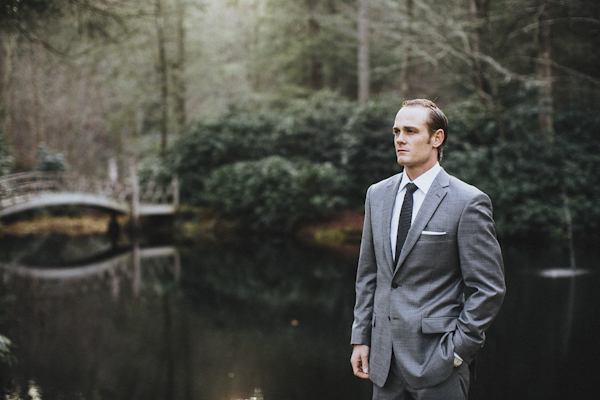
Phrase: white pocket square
[432,233]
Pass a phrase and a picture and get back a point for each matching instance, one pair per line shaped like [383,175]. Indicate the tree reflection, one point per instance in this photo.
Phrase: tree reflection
[215,322]
[83,328]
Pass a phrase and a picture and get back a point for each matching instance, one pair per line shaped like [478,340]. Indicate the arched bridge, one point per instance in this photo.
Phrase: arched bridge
[24,191]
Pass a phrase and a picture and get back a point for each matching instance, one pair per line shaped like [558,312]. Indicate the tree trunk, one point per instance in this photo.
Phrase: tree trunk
[545,73]
[162,68]
[487,89]
[7,90]
[404,85]
[476,18]
[364,69]
[316,66]
[35,113]
[177,71]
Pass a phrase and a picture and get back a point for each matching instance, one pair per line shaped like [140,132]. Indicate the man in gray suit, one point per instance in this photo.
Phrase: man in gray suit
[426,236]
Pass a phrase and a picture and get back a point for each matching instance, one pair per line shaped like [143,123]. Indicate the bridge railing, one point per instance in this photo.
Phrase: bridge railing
[154,193]
[22,186]
[27,184]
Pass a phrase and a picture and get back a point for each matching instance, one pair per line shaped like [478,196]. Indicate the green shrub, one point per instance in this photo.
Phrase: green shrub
[311,129]
[5,351]
[267,153]
[368,149]
[273,194]
[50,161]
[235,136]
[527,176]
[321,129]
[6,155]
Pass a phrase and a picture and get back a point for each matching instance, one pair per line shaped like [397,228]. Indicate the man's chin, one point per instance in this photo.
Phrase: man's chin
[402,161]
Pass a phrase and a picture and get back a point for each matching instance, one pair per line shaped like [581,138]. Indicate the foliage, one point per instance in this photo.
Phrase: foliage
[323,128]
[368,149]
[6,156]
[524,172]
[234,136]
[50,161]
[150,168]
[290,68]
[37,20]
[273,194]
[310,129]
[5,353]
[17,12]
[306,44]
[526,177]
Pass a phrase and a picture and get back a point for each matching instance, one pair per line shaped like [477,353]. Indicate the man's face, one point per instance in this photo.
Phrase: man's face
[416,149]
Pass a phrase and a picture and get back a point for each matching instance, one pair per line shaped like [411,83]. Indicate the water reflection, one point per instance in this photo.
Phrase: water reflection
[563,272]
[79,326]
[97,267]
[237,320]
[257,318]
[543,344]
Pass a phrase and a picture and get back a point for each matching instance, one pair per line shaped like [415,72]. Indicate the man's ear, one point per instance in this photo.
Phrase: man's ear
[438,138]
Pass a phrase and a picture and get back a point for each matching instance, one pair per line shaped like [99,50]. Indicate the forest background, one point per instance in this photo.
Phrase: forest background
[277,112]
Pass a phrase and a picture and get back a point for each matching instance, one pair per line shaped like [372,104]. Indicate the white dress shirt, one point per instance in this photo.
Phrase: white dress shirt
[423,183]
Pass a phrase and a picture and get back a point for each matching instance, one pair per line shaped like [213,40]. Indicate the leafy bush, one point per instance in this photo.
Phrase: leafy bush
[311,129]
[368,149]
[6,356]
[321,129]
[526,177]
[520,178]
[235,136]
[150,168]
[6,156]
[273,194]
[257,166]
[50,161]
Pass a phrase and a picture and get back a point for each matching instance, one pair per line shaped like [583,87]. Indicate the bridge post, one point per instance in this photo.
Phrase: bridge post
[135,195]
[175,191]
[137,269]
[113,169]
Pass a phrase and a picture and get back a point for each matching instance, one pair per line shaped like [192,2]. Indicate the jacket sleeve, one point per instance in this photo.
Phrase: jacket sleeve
[366,282]
[483,271]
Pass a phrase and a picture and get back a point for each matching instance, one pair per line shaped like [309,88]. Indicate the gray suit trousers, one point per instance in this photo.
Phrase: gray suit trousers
[456,387]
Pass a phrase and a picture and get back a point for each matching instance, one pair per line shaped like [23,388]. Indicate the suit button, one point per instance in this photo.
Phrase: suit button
[394,285]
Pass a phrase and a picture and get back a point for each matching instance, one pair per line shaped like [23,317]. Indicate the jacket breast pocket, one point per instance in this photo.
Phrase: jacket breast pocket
[438,324]
[433,237]
[434,251]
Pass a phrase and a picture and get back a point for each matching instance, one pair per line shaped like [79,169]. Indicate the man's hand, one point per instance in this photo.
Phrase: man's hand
[360,360]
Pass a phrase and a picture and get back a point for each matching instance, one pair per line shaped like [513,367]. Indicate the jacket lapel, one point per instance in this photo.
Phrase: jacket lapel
[432,200]
[387,209]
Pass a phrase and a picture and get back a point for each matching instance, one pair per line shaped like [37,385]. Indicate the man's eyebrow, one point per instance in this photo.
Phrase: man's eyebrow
[396,127]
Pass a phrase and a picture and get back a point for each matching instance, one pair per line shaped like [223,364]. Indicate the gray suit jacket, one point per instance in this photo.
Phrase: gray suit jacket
[417,307]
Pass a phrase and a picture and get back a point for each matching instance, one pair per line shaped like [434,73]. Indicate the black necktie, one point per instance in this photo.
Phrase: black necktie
[405,218]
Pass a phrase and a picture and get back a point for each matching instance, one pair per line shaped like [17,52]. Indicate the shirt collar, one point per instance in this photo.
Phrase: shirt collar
[424,181]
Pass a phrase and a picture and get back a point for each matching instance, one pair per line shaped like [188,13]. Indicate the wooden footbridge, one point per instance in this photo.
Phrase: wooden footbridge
[25,191]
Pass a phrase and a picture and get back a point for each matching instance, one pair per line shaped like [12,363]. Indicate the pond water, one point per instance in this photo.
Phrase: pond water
[258,317]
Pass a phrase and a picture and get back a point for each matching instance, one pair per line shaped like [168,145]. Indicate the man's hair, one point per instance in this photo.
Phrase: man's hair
[437,120]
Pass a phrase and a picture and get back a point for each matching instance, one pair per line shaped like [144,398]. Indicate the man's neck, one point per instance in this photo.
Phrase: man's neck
[414,172]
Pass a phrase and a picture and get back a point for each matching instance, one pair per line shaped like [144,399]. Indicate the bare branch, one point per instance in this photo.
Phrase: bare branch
[536,25]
